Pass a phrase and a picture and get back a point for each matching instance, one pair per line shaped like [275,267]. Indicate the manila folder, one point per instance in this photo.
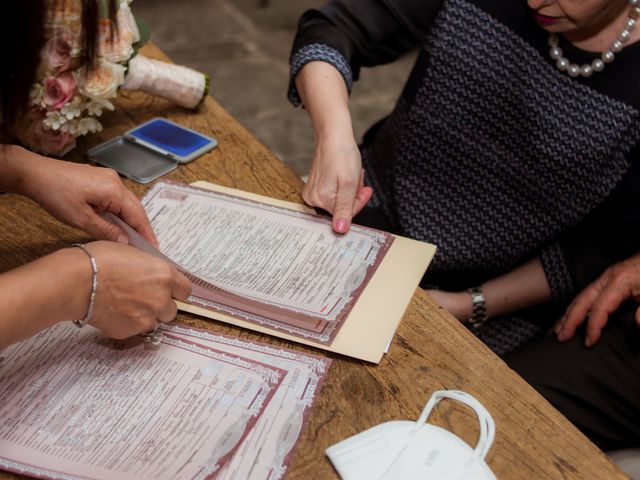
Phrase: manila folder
[374,319]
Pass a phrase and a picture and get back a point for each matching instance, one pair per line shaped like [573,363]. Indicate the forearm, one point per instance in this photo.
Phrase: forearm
[522,287]
[39,294]
[324,94]
[336,178]
[15,165]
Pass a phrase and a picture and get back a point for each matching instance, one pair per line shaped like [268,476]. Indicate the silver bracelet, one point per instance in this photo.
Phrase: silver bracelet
[479,308]
[94,286]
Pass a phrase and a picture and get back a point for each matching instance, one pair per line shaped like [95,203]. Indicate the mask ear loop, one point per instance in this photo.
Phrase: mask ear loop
[487,425]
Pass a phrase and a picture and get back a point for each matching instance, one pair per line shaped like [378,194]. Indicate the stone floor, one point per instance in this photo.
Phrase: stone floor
[244,46]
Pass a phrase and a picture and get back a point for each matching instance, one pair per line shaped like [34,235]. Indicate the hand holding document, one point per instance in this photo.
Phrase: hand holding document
[77,405]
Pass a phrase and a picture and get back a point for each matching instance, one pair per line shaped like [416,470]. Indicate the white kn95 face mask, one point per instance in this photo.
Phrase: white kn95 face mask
[404,450]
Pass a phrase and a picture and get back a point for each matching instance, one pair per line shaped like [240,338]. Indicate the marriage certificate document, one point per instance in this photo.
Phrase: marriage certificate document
[76,405]
[266,452]
[294,273]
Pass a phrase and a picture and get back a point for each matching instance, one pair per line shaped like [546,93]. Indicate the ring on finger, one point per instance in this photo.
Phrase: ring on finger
[153,337]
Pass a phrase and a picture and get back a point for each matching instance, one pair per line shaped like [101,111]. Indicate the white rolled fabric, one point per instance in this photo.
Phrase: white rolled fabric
[181,85]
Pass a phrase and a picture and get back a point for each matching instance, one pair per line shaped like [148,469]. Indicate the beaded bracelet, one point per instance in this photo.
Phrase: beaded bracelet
[94,286]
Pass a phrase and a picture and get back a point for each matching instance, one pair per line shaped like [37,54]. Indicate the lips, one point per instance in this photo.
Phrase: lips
[545,20]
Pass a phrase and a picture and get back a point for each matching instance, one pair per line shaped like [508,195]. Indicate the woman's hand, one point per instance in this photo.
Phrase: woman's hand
[336,182]
[135,290]
[457,304]
[77,194]
[336,179]
[601,298]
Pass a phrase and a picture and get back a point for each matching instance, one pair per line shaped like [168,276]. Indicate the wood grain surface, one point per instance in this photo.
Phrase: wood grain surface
[431,350]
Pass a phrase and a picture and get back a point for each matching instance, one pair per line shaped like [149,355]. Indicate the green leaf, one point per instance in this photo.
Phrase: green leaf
[145,35]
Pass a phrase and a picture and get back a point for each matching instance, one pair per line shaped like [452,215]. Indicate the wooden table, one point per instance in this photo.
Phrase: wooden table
[431,350]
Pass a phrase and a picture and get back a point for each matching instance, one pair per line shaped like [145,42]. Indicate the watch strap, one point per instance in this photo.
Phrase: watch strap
[478,308]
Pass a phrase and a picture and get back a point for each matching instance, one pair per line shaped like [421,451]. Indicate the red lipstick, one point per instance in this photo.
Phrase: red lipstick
[544,20]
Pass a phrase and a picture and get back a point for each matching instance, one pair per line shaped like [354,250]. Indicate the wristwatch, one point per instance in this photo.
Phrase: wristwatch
[479,308]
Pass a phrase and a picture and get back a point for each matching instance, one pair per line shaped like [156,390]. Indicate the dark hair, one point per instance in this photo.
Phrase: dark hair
[90,14]
[21,41]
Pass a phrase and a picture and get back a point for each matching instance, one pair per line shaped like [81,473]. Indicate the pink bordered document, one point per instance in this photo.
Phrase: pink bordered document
[270,265]
[76,405]
[279,269]
[267,451]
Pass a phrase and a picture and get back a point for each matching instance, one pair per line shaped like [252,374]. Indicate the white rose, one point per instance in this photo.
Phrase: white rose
[117,47]
[103,81]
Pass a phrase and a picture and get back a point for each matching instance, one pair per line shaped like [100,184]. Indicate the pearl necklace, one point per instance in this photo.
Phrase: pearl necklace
[597,65]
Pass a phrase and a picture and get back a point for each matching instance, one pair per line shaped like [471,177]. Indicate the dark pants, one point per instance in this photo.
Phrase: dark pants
[597,389]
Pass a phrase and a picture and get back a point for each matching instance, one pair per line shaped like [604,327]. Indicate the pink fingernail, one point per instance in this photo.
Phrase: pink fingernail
[341,225]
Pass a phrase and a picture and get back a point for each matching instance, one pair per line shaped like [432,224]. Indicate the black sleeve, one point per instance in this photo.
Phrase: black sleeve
[609,234]
[367,32]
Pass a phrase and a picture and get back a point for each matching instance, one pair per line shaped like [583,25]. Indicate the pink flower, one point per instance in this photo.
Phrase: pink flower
[59,90]
[35,136]
[58,49]
[54,142]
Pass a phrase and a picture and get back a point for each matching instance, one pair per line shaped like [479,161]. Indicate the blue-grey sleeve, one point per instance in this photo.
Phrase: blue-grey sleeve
[350,34]
[317,52]
[557,272]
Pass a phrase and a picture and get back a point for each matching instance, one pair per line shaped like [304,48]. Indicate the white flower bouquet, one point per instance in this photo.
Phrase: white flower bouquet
[68,99]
